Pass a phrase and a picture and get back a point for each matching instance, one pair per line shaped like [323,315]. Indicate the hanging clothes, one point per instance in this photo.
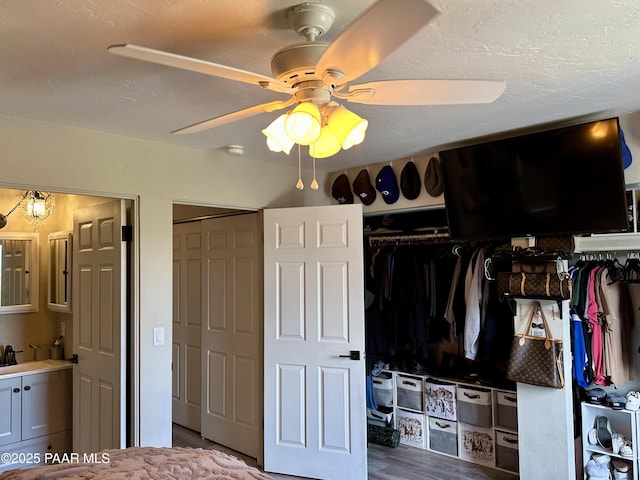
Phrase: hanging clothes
[601,322]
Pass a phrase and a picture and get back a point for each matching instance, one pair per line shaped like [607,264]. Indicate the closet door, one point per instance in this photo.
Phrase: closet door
[314,318]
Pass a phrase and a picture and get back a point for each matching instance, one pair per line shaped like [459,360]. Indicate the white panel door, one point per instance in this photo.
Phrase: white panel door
[187,324]
[232,333]
[99,307]
[315,418]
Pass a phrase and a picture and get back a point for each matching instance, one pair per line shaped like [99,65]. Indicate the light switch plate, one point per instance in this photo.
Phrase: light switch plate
[158,336]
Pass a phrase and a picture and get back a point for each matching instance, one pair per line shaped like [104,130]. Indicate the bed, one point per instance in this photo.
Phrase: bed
[143,463]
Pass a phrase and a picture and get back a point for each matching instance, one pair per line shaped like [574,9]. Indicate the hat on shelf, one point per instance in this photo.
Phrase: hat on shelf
[362,187]
[410,184]
[433,177]
[341,190]
[387,184]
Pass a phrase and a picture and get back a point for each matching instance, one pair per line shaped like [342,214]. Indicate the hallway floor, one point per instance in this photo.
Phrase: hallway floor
[385,463]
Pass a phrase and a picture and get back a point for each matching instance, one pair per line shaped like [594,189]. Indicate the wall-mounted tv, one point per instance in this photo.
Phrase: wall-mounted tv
[568,180]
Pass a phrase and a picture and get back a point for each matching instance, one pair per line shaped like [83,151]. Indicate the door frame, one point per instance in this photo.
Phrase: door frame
[132,323]
[200,216]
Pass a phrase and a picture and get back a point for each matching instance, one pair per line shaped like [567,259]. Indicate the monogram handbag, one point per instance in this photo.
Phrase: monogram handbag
[536,360]
[545,285]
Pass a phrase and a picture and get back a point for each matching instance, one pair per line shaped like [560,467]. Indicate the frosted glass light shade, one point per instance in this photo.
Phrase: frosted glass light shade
[326,145]
[277,139]
[37,206]
[348,127]
[303,124]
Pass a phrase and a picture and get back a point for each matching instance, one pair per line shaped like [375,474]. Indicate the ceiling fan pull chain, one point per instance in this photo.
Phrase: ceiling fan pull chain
[299,185]
[314,183]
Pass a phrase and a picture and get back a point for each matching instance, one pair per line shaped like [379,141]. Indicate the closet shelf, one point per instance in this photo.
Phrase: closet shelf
[626,242]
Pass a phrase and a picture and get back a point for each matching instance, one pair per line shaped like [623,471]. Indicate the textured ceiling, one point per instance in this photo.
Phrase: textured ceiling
[563,62]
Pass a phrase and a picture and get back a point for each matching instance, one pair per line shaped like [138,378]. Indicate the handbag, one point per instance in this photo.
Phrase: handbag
[547,285]
[561,244]
[536,360]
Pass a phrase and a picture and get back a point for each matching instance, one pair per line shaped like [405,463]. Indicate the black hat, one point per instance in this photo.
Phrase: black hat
[387,184]
[362,187]
[410,181]
[341,190]
[433,177]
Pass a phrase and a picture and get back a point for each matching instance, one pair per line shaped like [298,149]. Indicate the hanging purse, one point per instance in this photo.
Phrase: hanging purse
[547,285]
[536,360]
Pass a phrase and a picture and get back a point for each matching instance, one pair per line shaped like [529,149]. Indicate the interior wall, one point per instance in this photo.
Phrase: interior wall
[75,160]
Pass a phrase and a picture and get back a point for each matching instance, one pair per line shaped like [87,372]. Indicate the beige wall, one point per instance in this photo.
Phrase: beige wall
[74,160]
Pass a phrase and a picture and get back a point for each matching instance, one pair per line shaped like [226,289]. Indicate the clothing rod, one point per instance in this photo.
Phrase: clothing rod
[405,239]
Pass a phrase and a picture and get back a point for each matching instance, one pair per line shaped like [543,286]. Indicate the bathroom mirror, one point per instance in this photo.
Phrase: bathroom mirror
[19,279]
[59,277]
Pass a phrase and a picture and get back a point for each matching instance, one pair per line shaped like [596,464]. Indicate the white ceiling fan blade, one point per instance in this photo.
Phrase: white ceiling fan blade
[235,116]
[425,92]
[374,35]
[200,66]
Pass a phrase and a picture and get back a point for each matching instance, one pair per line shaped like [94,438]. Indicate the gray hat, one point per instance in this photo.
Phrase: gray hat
[433,177]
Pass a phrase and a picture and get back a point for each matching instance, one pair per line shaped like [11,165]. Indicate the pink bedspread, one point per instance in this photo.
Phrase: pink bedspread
[146,463]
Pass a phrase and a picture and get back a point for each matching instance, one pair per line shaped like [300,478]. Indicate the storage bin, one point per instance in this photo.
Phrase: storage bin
[474,406]
[41,353]
[411,426]
[387,436]
[409,392]
[507,410]
[507,451]
[383,390]
[440,399]
[376,417]
[443,436]
[476,444]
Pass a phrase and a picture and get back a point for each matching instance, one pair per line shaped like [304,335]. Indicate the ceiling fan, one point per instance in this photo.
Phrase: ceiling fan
[312,73]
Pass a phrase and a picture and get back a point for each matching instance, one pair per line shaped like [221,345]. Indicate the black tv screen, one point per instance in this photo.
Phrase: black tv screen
[564,181]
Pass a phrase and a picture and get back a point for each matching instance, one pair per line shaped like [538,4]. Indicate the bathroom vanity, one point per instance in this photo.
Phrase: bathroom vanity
[36,414]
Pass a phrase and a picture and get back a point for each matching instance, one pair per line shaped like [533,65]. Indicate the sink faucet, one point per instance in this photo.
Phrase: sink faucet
[9,356]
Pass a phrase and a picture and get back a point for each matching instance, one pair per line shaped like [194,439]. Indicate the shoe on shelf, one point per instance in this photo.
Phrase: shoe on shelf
[617,441]
[620,469]
[633,401]
[603,431]
[626,450]
[596,470]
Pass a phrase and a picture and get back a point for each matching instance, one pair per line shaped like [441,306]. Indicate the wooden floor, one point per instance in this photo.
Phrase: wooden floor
[385,463]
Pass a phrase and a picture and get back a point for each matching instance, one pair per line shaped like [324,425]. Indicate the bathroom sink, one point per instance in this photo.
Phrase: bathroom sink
[32,367]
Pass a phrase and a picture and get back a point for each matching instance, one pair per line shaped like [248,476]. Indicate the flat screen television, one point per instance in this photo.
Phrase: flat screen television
[568,180]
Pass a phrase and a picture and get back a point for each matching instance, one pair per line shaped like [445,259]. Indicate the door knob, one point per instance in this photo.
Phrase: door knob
[353,355]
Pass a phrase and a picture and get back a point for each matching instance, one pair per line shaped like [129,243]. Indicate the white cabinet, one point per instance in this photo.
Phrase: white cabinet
[10,389]
[474,423]
[38,418]
[621,421]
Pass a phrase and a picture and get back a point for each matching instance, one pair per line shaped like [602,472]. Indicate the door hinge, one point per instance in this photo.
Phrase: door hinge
[127,233]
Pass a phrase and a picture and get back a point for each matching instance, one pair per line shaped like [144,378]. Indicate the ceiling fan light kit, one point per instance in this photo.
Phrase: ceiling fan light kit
[313,72]
[277,139]
[303,124]
[326,145]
